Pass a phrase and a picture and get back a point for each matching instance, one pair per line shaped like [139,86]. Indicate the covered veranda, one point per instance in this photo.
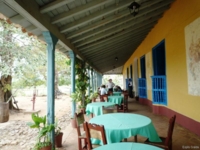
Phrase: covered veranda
[105,34]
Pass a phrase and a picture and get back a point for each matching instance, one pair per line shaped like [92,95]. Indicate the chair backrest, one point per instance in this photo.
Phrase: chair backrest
[94,131]
[124,105]
[112,109]
[170,130]
[79,120]
[110,93]
[104,98]
[125,101]
[125,96]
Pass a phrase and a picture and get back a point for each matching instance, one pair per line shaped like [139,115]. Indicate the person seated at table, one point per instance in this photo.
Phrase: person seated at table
[115,89]
[103,90]
[118,88]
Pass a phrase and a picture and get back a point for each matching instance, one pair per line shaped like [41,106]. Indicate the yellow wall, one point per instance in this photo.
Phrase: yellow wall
[171,28]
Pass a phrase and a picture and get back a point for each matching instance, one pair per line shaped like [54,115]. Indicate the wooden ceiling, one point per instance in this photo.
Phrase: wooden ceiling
[98,31]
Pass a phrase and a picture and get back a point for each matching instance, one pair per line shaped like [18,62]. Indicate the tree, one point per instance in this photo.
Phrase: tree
[62,71]
[21,56]
[23,61]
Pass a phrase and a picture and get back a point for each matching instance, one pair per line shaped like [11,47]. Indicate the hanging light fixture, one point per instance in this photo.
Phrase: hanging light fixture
[134,8]
[116,58]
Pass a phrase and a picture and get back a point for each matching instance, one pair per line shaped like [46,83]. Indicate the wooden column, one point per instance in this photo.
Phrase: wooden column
[72,57]
[51,41]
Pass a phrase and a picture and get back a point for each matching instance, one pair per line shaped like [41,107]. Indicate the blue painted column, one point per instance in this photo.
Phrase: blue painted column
[89,82]
[51,41]
[95,81]
[92,74]
[72,58]
[96,85]
[100,79]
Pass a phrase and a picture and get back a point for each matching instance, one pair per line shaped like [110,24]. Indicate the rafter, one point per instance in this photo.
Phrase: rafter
[97,15]
[79,10]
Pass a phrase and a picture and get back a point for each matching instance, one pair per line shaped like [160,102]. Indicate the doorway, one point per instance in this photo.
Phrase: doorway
[142,88]
[159,77]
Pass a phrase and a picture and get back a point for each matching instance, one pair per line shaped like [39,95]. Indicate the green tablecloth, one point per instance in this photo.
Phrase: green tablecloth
[96,107]
[127,146]
[115,99]
[124,125]
[117,93]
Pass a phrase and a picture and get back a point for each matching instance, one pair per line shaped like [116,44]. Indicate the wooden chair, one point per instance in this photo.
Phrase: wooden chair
[104,98]
[94,131]
[112,109]
[81,135]
[124,105]
[166,141]
[110,93]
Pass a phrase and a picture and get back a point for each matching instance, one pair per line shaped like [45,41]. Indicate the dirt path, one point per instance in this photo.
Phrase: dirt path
[15,134]
[62,105]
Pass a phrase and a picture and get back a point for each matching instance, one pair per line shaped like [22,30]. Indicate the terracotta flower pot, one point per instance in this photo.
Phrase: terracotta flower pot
[46,148]
[94,100]
[73,123]
[83,110]
[58,139]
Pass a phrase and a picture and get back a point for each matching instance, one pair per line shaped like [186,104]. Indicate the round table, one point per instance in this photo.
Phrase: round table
[115,99]
[96,107]
[117,93]
[127,146]
[119,126]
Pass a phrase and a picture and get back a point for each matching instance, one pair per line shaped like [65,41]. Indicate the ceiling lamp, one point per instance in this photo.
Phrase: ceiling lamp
[116,58]
[134,8]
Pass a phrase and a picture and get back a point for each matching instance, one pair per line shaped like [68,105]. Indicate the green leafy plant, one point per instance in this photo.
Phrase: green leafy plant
[44,129]
[57,128]
[81,83]
[76,96]
[94,95]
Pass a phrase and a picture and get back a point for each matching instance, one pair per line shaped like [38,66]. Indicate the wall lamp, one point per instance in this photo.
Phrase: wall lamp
[134,8]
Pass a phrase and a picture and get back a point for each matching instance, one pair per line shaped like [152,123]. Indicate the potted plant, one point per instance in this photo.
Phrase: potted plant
[94,96]
[81,108]
[43,139]
[73,122]
[58,135]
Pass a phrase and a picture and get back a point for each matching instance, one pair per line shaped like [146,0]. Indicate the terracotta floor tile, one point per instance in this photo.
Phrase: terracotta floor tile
[182,138]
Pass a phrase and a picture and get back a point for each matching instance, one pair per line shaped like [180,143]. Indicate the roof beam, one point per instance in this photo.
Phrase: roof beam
[79,10]
[110,63]
[94,16]
[117,30]
[31,28]
[121,21]
[108,20]
[53,5]
[143,29]
[132,36]
[16,19]
[120,34]
[115,46]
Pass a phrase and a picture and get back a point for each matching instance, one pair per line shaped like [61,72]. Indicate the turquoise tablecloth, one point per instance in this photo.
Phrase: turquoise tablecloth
[124,125]
[115,99]
[127,146]
[96,107]
[117,93]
